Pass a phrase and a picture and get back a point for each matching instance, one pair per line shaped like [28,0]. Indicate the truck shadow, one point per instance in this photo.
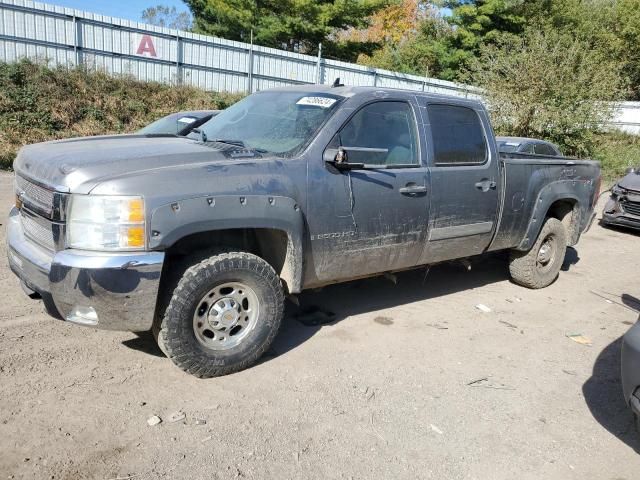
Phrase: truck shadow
[570,259]
[603,391]
[334,303]
[144,342]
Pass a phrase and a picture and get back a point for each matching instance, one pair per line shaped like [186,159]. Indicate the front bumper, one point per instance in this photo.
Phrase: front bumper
[631,368]
[614,214]
[120,289]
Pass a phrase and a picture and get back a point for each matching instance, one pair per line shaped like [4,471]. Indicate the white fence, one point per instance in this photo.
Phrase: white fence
[627,118]
[73,37]
[65,36]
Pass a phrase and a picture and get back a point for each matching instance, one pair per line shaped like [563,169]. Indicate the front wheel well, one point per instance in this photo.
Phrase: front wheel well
[272,245]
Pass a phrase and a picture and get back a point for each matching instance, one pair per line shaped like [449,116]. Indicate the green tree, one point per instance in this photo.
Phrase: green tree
[627,24]
[445,46]
[294,25]
[169,17]
[549,84]
[419,52]
[477,23]
[609,26]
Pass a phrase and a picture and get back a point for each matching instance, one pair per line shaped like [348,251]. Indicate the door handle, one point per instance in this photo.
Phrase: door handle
[486,185]
[413,189]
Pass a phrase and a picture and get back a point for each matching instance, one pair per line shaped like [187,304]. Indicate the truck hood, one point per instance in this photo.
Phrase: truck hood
[79,164]
[630,181]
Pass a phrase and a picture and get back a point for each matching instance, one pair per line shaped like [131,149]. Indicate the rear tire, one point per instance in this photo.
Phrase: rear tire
[539,267]
[223,315]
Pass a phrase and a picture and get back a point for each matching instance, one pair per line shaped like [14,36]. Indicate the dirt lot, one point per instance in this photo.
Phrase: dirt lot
[385,391]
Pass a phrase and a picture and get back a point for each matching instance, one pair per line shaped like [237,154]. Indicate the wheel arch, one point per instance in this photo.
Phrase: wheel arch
[270,227]
[557,200]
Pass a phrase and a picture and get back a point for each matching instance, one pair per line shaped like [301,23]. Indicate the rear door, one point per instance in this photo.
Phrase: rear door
[465,181]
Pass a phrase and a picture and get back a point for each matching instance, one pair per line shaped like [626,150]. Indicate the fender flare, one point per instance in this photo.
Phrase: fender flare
[560,190]
[176,220]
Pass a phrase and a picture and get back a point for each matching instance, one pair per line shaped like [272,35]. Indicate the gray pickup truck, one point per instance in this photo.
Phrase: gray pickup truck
[199,239]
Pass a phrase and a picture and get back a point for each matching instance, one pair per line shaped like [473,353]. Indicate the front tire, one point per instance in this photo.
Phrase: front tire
[539,267]
[223,315]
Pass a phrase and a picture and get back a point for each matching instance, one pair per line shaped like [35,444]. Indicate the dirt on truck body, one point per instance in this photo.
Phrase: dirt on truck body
[200,239]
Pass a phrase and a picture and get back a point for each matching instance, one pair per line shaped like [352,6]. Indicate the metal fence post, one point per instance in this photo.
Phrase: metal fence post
[319,75]
[250,67]
[375,77]
[179,55]
[77,41]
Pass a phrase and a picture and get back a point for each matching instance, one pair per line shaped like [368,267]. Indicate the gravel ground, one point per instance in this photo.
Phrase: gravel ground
[408,381]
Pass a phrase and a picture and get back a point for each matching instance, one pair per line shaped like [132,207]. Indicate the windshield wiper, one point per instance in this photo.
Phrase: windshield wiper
[237,143]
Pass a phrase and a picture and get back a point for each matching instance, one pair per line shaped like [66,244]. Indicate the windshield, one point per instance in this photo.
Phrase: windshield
[275,122]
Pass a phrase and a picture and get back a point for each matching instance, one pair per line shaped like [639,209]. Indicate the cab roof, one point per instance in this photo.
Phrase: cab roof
[350,91]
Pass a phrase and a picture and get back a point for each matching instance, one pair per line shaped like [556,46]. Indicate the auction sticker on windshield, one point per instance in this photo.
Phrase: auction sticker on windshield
[323,102]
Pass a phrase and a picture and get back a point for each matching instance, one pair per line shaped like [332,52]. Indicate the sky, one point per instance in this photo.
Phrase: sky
[129,9]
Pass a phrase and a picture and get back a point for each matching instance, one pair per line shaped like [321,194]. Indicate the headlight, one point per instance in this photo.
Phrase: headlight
[618,191]
[99,222]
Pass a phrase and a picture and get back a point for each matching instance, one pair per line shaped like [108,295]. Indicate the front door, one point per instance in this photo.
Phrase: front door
[375,218]
[465,181]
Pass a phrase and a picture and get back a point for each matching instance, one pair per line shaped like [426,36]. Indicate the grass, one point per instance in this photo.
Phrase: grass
[40,103]
[616,152]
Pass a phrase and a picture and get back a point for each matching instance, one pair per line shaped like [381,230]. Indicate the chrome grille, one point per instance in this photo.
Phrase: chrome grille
[631,207]
[35,194]
[38,232]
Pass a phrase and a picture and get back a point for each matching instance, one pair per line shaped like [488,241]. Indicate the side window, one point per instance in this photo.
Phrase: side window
[544,149]
[458,136]
[526,148]
[388,128]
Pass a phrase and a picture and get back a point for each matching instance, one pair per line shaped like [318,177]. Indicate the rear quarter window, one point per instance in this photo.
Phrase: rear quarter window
[458,136]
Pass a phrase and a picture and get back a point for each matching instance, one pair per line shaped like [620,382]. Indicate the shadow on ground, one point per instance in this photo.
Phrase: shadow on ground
[144,342]
[603,391]
[334,303]
[570,259]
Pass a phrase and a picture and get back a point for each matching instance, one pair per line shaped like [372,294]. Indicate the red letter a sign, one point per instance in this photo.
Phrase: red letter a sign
[146,46]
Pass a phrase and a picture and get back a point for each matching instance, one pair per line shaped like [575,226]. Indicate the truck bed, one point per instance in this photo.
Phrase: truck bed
[531,184]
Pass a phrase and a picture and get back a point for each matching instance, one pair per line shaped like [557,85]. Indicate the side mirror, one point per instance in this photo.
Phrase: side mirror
[339,159]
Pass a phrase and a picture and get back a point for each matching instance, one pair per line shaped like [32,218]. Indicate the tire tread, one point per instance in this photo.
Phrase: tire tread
[522,265]
[177,349]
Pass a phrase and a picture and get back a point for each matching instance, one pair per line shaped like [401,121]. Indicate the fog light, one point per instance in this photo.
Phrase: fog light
[83,315]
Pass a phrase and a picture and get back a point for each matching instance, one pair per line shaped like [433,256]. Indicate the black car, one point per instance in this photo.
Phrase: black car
[623,207]
[631,370]
[180,123]
[527,145]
